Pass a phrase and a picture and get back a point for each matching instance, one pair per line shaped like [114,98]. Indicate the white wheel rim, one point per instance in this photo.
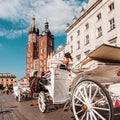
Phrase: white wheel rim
[41,102]
[89,105]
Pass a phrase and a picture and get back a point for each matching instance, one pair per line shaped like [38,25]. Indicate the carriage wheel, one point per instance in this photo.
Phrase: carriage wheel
[42,102]
[91,101]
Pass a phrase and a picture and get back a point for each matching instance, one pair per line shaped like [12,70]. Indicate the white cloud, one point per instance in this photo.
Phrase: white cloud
[12,34]
[57,12]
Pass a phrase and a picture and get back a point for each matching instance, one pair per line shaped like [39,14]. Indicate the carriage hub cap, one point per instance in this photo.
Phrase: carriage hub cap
[84,107]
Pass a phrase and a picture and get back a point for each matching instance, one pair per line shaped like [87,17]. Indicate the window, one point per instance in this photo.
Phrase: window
[99,16]
[99,31]
[44,62]
[42,42]
[87,39]
[87,26]
[111,6]
[33,37]
[78,32]
[78,44]
[36,65]
[87,52]
[42,50]
[42,57]
[71,47]
[50,43]
[112,24]
[78,57]
[71,38]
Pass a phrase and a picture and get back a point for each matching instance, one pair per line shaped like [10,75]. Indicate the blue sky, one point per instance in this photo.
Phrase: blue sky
[15,20]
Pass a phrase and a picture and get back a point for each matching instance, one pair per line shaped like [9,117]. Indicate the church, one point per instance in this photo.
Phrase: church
[38,48]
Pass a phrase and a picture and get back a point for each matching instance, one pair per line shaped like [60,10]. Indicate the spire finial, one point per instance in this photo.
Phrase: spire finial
[33,21]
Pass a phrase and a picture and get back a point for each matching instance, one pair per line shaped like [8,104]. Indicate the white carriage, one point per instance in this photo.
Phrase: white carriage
[95,90]
[57,89]
[21,90]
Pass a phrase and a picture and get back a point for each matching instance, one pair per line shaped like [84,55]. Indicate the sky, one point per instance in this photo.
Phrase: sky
[15,20]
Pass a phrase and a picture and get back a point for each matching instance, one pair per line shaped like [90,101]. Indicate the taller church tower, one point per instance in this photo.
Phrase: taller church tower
[32,47]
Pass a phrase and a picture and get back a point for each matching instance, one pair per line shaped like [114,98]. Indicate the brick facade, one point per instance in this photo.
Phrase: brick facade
[38,48]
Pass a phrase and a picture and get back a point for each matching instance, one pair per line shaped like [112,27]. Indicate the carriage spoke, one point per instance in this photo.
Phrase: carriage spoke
[83,116]
[99,108]
[87,118]
[95,93]
[85,92]
[80,105]
[90,90]
[93,116]
[79,112]
[99,101]
[102,118]
[82,95]
[79,99]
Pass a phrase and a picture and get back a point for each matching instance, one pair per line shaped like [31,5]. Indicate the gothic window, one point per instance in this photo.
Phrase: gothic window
[42,50]
[42,42]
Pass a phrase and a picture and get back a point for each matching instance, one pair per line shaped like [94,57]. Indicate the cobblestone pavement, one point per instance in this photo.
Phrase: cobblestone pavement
[10,109]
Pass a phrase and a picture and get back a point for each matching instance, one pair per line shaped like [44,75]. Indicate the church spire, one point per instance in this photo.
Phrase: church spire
[46,27]
[33,28]
[33,21]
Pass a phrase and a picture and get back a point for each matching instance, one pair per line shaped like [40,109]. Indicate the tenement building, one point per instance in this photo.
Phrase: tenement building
[38,48]
[7,79]
[97,24]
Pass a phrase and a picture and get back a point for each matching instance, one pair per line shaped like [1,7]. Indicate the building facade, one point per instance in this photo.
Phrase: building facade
[97,24]
[39,47]
[7,79]
[100,23]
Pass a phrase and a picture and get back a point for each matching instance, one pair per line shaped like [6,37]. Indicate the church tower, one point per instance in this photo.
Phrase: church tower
[46,47]
[32,48]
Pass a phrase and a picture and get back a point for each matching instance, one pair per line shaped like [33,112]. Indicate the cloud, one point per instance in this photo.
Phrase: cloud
[57,12]
[12,34]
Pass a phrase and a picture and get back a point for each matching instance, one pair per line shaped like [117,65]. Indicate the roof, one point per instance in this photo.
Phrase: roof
[106,53]
[9,75]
